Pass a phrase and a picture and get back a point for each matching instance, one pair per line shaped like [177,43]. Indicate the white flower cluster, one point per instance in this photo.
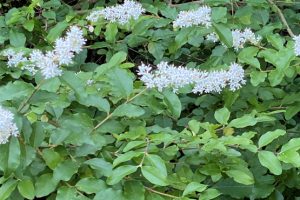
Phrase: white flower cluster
[297,45]
[201,16]
[119,13]
[169,76]
[212,37]
[17,59]
[241,37]
[7,126]
[49,62]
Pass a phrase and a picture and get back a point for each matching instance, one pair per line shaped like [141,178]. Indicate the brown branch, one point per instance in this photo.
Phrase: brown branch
[161,193]
[289,30]
[23,104]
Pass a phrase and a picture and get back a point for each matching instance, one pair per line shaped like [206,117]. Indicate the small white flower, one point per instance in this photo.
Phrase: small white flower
[297,45]
[89,82]
[240,38]
[212,37]
[7,125]
[14,58]
[90,28]
[119,13]
[169,76]
[201,16]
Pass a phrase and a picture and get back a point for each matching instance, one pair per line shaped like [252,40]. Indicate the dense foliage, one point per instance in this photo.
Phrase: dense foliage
[95,131]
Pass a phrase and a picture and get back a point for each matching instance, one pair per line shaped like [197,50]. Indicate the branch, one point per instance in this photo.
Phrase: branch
[289,30]
[111,114]
[23,104]
[161,193]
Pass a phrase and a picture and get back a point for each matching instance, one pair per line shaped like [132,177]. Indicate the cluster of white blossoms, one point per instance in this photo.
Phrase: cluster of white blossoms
[297,45]
[201,16]
[169,76]
[241,37]
[7,125]
[18,59]
[49,63]
[120,13]
[212,37]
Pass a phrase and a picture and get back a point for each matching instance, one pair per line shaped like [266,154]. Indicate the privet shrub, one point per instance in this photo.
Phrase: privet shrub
[149,100]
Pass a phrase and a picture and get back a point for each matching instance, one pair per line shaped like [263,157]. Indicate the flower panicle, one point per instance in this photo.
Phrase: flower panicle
[8,127]
[121,13]
[49,62]
[168,76]
[201,16]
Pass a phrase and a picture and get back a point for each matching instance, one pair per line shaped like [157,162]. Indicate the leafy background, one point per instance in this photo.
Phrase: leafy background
[114,139]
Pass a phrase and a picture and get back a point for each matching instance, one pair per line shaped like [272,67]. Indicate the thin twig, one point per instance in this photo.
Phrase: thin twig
[289,30]
[161,193]
[111,114]
[145,153]
[23,104]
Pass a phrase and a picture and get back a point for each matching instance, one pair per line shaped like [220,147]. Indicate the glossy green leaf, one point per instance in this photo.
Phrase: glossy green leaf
[270,161]
[194,187]
[268,137]
[119,173]
[26,188]
[222,115]
[153,175]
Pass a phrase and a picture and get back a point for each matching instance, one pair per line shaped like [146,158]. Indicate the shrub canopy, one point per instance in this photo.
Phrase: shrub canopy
[142,101]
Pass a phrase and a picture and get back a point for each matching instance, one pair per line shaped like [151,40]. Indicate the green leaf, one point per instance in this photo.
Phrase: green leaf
[96,101]
[51,158]
[156,49]
[14,154]
[115,60]
[293,144]
[29,25]
[268,137]
[44,185]
[248,56]
[128,110]
[210,193]
[121,83]
[242,122]
[276,41]
[133,144]
[224,34]
[219,14]
[7,188]
[26,188]
[108,194]
[193,187]
[15,90]
[153,175]
[101,165]
[290,156]
[65,170]
[126,157]
[270,161]
[257,77]
[157,162]
[120,172]
[222,115]
[56,31]
[134,190]
[244,177]
[173,103]
[17,39]
[90,185]
[111,32]
[66,192]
